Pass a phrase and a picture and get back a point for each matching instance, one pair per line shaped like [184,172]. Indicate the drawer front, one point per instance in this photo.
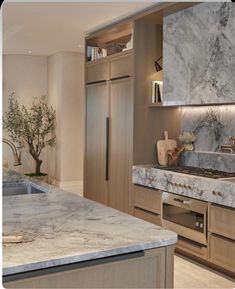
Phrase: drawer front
[97,72]
[147,216]
[192,248]
[222,252]
[222,221]
[148,199]
[121,67]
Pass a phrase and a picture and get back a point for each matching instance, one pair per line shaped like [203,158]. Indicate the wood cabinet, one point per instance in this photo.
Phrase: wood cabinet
[121,67]
[120,150]
[147,216]
[222,221]
[150,269]
[95,182]
[96,72]
[148,204]
[222,252]
[109,121]
[221,237]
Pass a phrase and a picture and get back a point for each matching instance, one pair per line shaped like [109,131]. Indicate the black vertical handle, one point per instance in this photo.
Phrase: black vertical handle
[107,150]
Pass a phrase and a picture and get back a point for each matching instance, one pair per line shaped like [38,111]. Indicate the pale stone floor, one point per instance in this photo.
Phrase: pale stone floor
[190,274]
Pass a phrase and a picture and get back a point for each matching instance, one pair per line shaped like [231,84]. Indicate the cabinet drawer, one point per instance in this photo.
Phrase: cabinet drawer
[222,221]
[147,216]
[120,67]
[191,247]
[222,252]
[148,199]
[97,72]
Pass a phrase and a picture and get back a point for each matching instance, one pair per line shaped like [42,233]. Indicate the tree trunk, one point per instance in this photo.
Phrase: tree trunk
[38,165]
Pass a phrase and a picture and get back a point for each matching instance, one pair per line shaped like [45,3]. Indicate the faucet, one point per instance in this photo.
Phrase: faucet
[17,156]
[229,147]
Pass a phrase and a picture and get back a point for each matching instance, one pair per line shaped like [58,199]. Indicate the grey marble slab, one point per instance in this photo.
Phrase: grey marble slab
[201,188]
[199,55]
[209,160]
[62,228]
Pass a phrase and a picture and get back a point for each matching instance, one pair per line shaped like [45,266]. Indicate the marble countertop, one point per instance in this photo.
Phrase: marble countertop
[62,228]
[212,190]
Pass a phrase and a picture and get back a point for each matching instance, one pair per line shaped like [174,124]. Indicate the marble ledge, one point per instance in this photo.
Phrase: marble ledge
[62,228]
[201,188]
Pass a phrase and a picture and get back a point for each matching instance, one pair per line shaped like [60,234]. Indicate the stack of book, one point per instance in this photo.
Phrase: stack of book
[157,91]
[94,53]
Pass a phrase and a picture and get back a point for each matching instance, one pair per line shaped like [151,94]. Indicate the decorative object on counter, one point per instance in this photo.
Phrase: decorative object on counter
[229,147]
[34,126]
[157,89]
[173,156]
[158,64]
[187,139]
[162,149]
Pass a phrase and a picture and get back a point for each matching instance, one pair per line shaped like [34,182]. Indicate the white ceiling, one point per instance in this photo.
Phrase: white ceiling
[43,28]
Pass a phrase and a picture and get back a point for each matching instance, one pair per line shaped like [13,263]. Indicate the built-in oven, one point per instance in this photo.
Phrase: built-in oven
[185,216]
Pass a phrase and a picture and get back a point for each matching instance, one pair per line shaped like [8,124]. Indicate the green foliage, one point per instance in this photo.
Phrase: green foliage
[34,126]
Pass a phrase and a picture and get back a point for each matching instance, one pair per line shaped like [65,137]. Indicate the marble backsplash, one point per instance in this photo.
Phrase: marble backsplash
[213,125]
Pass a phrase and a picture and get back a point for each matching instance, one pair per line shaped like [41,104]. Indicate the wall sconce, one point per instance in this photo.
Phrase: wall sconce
[158,66]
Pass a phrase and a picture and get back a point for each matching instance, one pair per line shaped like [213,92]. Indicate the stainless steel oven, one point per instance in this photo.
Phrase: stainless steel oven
[185,216]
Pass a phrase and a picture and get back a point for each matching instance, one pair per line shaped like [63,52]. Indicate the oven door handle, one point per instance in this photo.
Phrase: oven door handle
[182,201]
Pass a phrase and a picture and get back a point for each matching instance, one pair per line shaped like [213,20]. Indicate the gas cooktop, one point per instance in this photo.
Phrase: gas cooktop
[208,173]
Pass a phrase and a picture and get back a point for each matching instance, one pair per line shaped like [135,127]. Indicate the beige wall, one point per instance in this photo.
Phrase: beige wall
[66,94]
[25,75]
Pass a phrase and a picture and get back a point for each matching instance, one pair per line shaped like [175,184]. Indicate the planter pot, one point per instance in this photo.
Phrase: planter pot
[43,178]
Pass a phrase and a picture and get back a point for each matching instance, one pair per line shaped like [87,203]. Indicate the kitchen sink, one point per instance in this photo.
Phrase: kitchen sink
[13,189]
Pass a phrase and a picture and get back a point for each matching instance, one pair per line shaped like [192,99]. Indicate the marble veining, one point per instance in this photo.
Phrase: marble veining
[199,55]
[62,228]
[213,126]
[201,188]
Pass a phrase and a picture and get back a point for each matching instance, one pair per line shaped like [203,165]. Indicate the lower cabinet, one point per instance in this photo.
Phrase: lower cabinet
[147,216]
[221,237]
[222,252]
[152,268]
[148,204]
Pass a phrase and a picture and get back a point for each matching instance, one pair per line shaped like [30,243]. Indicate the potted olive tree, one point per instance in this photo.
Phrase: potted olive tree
[32,127]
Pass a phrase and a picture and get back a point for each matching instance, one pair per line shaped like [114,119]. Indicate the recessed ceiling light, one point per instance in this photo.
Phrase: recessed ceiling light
[29,51]
[79,45]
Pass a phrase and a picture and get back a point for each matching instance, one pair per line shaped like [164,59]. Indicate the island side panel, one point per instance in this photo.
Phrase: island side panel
[153,270]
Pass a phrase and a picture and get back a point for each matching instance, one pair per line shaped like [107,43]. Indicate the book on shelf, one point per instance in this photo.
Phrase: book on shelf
[157,91]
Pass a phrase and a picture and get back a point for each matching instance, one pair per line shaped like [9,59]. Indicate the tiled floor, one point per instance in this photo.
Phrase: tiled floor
[193,275]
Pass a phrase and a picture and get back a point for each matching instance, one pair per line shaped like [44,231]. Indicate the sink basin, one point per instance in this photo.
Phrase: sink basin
[13,189]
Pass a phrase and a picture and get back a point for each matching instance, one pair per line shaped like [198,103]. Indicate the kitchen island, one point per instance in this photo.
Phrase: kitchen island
[71,242]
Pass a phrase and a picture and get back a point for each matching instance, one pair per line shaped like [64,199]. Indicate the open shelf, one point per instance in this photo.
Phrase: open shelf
[108,42]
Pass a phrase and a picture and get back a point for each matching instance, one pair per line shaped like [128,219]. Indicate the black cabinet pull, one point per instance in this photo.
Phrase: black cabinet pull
[107,150]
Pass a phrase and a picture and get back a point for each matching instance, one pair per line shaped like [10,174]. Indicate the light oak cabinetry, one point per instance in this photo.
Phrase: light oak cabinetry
[109,118]
[120,149]
[148,204]
[221,248]
[145,269]
[96,72]
[96,142]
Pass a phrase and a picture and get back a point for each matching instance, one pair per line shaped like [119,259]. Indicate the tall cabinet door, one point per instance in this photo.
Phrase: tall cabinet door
[95,187]
[120,152]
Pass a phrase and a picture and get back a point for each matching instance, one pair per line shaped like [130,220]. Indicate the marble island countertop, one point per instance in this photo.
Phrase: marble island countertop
[62,228]
[212,190]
